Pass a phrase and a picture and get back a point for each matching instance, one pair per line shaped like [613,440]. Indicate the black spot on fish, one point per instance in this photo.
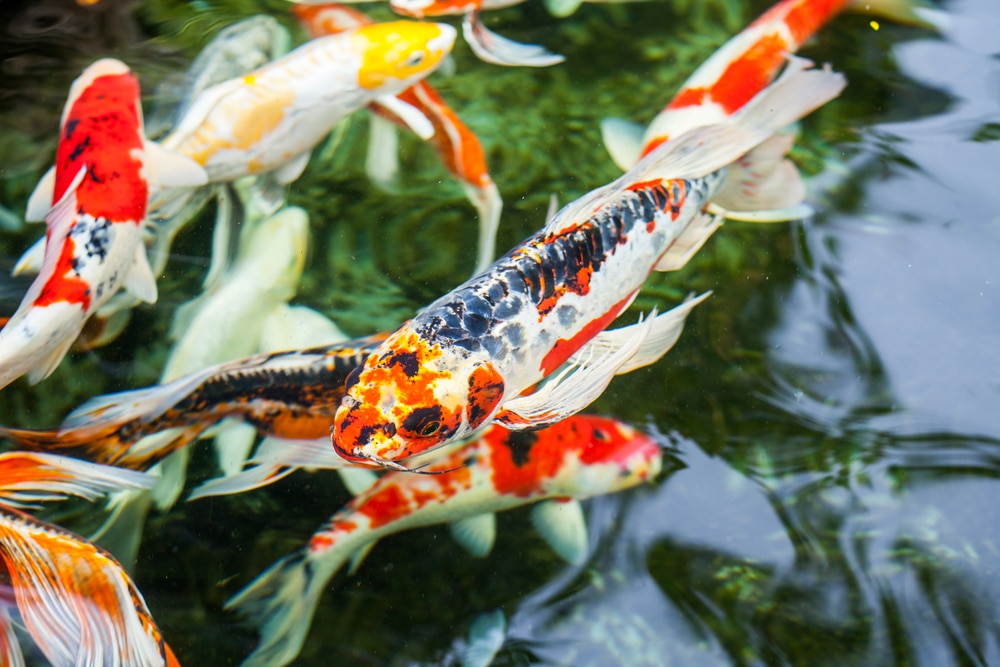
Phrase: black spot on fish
[92,173]
[352,378]
[601,435]
[79,148]
[71,125]
[520,444]
[476,325]
[407,361]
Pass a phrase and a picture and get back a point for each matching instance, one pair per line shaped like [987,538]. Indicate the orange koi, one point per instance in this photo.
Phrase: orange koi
[579,458]
[457,146]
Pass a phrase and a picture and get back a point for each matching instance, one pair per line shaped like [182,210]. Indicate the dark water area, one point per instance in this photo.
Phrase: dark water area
[831,495]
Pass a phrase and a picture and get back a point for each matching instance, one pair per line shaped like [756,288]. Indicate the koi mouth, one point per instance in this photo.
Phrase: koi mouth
[354,455]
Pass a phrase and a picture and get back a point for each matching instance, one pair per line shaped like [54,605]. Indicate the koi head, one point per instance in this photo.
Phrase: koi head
[397,54]
[410,397]
[606,455]
[579,457]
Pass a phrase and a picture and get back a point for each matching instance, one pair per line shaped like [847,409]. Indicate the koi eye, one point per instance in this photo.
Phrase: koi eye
[423,422]
[414,59]
[429,429]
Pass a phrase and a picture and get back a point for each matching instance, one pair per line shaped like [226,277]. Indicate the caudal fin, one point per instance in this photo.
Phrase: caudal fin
[282,602]
[77,602]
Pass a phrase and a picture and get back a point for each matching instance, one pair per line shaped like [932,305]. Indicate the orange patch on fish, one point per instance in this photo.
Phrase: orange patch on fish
[486,388]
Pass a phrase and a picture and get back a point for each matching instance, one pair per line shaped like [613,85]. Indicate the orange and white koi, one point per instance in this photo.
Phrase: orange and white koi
[486,44]
[270,119]
[579,458]
[741,68]
[290,394]
[475,355]
[96,198]
[458,147]
[77,602]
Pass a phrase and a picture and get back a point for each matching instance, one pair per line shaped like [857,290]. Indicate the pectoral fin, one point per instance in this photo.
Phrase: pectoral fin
[562,8]
[690,241]
[40,200]
[580,383]
[140,280]
[623,141]
[382,161]
[357,480]
[409,114]
[562,524]
[476,533]
[492,48]
[171,170]
[291,170]
[763,186]
[32,259]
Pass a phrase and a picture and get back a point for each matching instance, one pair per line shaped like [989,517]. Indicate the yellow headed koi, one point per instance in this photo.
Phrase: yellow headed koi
[271,118]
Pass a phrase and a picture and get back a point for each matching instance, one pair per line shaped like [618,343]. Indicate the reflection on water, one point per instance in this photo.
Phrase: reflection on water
[836,496]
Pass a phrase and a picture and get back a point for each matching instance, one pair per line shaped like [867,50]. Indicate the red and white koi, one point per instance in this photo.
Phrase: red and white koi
[578,458]
[270,119]
[76,600]
[475,355]
[458,147]
[741,68]
[95,198]
[486,44]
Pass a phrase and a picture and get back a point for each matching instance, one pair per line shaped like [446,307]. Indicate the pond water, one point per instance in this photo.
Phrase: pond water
[832,411]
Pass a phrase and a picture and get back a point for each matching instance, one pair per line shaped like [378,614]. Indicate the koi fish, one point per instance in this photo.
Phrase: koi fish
[486,44]
[290,395]
[270,119]
[458,147]
[741,68]
[576,459]
[473,356]
[96,199]
[76,600]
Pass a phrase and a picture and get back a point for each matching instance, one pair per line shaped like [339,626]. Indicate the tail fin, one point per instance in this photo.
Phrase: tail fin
[76,600]
[281,602]
[27,478]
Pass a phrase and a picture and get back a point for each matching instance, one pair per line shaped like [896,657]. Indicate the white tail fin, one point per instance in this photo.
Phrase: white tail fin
[281,602]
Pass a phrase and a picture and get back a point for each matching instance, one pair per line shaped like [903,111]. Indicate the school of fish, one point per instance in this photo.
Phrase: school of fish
[469,408]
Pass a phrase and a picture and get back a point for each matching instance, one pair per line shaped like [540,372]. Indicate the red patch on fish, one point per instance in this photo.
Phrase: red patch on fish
[808,15]
[102,129]
[566,347]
